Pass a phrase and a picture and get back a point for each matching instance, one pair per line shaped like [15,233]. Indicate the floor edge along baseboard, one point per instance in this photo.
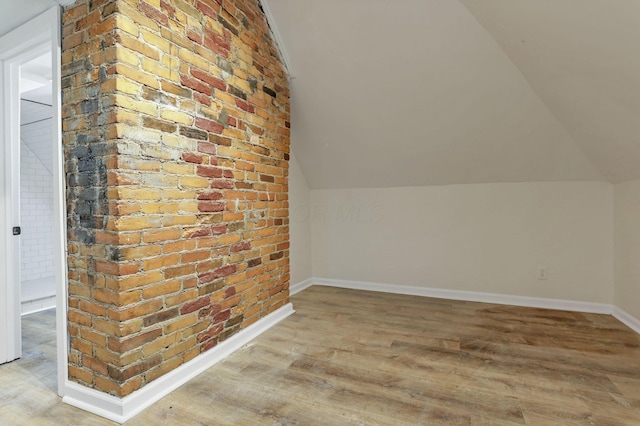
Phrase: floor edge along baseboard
[122,409]
[627,319]
[470,296]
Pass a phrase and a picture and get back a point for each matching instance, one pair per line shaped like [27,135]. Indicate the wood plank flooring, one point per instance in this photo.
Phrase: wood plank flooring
[359,358]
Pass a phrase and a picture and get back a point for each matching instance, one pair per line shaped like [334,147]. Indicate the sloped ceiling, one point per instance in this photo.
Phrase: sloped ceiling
[430,92]
[582,58]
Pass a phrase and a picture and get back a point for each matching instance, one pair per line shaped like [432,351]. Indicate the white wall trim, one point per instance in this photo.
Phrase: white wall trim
[37,36]
[38,305]
[122,409]
[302,285]
[275,32]
[59,200]
[627,319]
[470,296]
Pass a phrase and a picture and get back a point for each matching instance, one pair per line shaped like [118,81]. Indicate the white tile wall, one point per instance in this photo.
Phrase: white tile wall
[36,131]
[38,295]
[36,205]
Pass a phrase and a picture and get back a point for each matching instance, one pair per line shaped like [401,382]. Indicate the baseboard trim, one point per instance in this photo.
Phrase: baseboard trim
[302,285]
[93,401]
[37,305]
[122,409]
[470,296]
[627,319]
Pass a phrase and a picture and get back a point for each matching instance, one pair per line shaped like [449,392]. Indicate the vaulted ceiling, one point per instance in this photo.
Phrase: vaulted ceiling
[429,92]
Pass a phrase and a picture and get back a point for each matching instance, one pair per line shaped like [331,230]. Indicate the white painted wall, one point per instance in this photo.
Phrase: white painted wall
[484,237]
[446,97]
[299,224]
[15,13]
[627,247]
[575,56]
[36,215]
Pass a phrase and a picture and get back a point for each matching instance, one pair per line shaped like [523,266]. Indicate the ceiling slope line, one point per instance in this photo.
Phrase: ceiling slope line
[535,92]
[277,37]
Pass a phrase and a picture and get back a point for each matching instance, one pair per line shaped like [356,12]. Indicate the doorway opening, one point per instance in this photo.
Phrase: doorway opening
[37,245]
[32,203]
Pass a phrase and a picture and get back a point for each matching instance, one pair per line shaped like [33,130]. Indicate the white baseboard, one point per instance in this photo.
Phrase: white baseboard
[627,319]
[38,305]
[93,401]
[122,409]
[470,296]
[302,285]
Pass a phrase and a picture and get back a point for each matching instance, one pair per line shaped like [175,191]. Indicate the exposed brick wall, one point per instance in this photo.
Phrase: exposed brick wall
[176,134]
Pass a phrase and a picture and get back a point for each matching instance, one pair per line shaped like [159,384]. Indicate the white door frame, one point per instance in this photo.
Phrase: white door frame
[39,35]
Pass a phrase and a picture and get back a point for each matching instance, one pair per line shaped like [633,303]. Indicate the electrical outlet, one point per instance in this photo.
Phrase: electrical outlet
[543,273]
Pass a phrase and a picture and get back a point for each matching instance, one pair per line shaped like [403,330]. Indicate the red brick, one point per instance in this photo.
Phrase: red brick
[191,157]
[207,148]
[218,273]
[210,206]
[222,316]
[245,245]
[218,229]
[127,344]
[195,84]
[153,13]
[245,106]
[226,264]
[209,125]
[210,8]
[210,196]
[209,79]
[222,184]
[194,306]
[209,171]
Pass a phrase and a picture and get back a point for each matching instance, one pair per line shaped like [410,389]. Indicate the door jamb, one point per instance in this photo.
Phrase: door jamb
[37,36]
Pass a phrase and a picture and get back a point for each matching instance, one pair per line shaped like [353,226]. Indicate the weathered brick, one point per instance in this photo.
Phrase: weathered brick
[195,84]
[210,206]
[138,280]
[123,374]
[176,131]
[125,345]
[160,317]
[209,125]
[152,236]
[209,171]
[210,9]
[96,365]
[245,245]
[135,311]
[219,273]
[191,157]
[153,13]
[163,126]
[81,374]
[160,262]
[195,305]
[161,289]
[79,318]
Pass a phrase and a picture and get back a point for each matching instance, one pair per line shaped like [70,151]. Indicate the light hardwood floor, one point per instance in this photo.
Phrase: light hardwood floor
[350,357]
